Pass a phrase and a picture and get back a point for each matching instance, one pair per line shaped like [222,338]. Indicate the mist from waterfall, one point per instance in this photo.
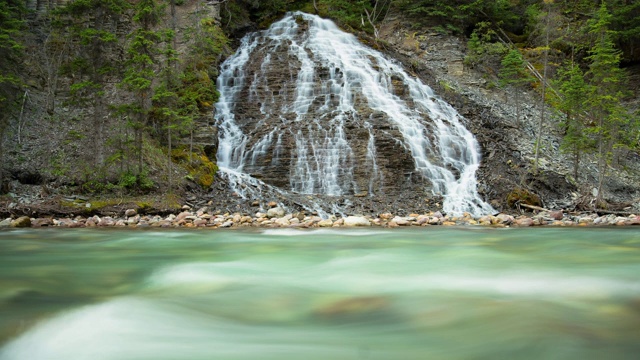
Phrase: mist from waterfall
[311,107]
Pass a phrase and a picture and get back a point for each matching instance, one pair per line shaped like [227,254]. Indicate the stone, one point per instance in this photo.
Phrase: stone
[40,222]
[356,221]
[505,219]
[21,222]
[106,221]
[282,221]
[133,220]
[227,224]
[275,212]
[200,222]
[524,222]
[272,204]
[401,221]
[130,212]
[325,223]
[386,216]
[5,223]
[556,214]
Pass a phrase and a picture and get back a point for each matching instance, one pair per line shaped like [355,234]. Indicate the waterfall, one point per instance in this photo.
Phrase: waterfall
[306,109]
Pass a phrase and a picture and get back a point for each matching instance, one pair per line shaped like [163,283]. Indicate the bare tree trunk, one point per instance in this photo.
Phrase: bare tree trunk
[3,189]
[24,100]
[169,158]
[190,144]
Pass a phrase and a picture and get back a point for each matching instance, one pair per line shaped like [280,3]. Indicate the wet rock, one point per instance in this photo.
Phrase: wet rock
[21,222]
[130,212]
[5,223]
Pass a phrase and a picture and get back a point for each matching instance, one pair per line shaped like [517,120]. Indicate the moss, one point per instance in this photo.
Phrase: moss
[522,196]
[201,169]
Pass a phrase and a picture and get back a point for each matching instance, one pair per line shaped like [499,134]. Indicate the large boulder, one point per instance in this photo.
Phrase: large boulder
[356,221]
[275,212]
[21,222]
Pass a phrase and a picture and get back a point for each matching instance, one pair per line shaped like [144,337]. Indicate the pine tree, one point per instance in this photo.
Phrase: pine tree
[572,89]
[605,93]
[93,26]
[11,26]
[514,73]
[139,74]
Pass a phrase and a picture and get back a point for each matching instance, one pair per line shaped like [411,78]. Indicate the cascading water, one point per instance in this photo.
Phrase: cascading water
[307,109]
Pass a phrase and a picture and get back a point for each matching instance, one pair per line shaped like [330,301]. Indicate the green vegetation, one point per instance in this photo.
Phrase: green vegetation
[11,33]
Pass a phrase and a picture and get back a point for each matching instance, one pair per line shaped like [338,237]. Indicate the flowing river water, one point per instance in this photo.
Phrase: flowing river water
[436,293]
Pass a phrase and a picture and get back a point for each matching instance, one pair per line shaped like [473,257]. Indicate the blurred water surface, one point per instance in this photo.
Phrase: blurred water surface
[435,293]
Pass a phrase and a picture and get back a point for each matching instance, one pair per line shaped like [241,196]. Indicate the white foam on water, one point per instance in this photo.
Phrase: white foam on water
[137,329]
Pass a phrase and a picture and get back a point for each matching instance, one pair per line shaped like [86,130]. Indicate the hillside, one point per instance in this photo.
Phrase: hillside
[100,156]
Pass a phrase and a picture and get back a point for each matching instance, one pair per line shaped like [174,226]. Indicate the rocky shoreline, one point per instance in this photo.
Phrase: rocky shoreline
[276,217]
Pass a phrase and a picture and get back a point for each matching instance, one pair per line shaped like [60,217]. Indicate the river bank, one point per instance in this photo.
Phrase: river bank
[276,217]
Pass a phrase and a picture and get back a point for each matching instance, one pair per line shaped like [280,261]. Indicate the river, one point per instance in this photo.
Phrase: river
[415,293]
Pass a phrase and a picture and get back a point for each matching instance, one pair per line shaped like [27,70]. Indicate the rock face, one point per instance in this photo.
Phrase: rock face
[306,108]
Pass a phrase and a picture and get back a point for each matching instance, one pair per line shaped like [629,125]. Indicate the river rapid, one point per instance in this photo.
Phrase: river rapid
[445,293]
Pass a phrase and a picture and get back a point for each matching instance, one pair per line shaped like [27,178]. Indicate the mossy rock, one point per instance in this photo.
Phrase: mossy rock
[523,196]
[201,169]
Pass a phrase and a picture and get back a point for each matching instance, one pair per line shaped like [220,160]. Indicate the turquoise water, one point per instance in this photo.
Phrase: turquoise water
[435,293]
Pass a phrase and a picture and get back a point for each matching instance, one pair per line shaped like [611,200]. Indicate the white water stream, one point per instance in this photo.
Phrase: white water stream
[335,72]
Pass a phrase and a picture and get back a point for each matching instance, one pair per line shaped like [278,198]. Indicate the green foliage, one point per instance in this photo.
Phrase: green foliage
[11,30]
[513,70]
[484,48]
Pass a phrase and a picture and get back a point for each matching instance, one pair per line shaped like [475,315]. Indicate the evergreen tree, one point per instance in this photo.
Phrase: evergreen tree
[513,73]
[605,93]
[93,27]
[11,27]
[139,74]
[572,89]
